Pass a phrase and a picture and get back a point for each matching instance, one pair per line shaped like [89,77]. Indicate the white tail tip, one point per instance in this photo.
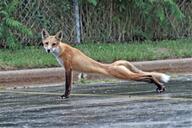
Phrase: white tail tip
[165,78]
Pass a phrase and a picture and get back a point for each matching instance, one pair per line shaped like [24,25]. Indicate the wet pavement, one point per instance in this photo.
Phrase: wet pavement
[111,105]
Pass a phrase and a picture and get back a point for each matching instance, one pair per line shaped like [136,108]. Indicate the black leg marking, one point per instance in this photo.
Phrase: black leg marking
[68,81]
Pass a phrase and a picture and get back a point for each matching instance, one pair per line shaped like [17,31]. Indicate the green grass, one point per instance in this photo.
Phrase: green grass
[37,58]
[139,51]
[26,58]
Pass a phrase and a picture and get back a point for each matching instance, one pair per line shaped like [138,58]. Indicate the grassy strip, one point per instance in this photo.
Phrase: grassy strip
[139,51]
[33,57]
[26,58]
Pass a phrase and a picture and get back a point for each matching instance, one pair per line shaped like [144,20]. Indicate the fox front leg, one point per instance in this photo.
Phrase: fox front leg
[68,81]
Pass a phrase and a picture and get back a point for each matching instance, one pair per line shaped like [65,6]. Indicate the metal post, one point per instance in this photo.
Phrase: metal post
[77,21]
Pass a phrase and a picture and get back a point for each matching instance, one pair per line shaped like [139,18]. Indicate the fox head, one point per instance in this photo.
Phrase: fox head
[51,43]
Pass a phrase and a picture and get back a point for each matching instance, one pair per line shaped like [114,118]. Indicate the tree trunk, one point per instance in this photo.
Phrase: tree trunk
[77,21]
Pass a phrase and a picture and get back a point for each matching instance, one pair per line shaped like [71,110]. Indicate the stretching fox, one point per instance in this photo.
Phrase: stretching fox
[73,59]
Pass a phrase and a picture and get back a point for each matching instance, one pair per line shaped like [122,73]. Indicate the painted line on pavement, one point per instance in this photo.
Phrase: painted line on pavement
[152,97]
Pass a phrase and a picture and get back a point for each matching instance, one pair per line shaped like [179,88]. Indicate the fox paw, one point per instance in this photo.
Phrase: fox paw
[64,96]
[160,90]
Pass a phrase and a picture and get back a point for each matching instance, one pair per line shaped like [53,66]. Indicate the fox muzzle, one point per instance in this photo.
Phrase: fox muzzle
[48,50]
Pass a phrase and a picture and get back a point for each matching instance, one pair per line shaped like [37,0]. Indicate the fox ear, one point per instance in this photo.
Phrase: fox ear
[59,35]
[44,34]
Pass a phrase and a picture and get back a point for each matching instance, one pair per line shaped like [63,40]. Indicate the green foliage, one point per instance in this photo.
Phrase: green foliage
[100,20]
[94,2]
[33,57]
[173,9]
[156,14]
[125,20]
[9,26]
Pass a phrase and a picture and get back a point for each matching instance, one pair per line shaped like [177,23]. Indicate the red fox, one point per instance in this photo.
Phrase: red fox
[73,59]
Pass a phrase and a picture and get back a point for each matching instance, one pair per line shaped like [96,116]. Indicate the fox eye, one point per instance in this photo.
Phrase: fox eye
[54,44]
[46,43]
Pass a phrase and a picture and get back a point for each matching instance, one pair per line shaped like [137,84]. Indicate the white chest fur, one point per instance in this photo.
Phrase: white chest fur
[56,53]
[59,60]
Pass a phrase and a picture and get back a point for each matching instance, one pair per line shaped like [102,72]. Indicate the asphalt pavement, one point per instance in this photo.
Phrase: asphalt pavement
[102,105]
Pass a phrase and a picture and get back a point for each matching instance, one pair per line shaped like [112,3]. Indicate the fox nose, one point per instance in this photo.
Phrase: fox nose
[48,50]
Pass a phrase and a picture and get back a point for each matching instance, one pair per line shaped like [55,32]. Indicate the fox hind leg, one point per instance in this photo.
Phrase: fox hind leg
[152,79]
[128,65]
[160,86]
[145,78]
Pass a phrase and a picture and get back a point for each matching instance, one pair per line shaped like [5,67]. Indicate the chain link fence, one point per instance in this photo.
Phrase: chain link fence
[101,23]
[53,16]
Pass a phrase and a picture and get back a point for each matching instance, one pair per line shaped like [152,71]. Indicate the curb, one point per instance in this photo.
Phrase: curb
[56,75]
[167,66]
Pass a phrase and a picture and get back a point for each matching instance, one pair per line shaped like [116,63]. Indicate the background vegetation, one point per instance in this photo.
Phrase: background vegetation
[9,26]
[33,57]
[110,29]
[100,20]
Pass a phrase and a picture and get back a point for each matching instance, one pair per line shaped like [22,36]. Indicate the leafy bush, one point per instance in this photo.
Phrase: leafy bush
[9,26]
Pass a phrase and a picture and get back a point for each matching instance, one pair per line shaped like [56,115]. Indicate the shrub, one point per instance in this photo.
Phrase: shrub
[9,26]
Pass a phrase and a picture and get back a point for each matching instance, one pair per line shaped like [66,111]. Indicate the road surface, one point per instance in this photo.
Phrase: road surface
[108,105]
